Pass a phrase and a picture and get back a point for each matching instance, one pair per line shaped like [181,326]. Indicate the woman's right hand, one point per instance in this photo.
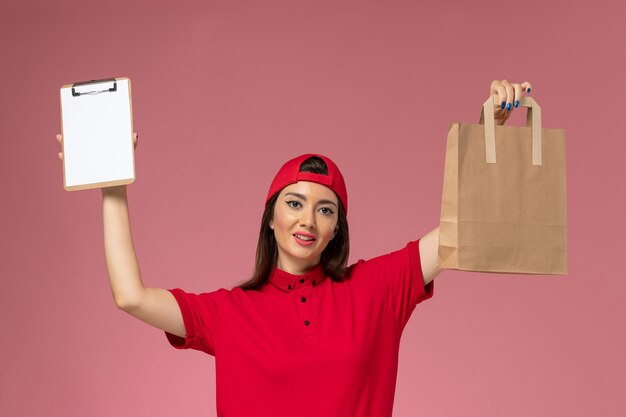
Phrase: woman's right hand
[60,140]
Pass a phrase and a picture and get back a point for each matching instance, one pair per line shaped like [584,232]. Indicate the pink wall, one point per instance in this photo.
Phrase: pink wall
[243,86]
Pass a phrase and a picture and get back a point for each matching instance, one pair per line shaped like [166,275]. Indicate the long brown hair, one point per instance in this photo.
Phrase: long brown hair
[334,258]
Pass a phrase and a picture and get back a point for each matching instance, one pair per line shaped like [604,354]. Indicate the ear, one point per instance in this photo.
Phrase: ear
[271,224]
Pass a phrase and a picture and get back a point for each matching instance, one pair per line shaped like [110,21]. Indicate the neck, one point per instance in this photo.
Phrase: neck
[295,268]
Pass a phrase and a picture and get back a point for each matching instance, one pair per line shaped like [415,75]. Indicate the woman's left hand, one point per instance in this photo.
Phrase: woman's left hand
[509,95]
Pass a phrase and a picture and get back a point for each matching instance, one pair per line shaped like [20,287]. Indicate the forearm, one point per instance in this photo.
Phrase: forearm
[429,246]
[121,261]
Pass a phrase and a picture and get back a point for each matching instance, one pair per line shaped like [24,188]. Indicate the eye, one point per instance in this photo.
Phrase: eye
[328,212]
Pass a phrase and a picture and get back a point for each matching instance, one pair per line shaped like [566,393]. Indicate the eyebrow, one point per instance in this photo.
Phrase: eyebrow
[304,198]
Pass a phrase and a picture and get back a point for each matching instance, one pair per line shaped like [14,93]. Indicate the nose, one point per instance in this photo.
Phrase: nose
[307,219]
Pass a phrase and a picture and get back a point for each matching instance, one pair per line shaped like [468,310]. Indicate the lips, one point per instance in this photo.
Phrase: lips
[305,235]
[302,242]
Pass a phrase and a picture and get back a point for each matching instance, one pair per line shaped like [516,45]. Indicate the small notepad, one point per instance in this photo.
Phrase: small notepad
[97,126]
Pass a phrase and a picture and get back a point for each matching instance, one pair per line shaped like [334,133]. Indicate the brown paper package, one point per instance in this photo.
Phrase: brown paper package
[504,196]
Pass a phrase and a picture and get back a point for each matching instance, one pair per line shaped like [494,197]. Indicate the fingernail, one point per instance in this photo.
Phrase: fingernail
[516,103]
[508,107]
[528,90]
[502,105]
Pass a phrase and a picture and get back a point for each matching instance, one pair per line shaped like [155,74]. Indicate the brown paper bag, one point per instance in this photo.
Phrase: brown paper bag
[503,205]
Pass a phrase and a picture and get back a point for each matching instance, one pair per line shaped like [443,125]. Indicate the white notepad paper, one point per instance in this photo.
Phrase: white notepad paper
[96,119]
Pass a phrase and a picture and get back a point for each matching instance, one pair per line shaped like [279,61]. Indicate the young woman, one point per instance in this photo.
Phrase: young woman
[307,335]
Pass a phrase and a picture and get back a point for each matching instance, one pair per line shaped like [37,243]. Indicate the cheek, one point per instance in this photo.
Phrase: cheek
[281,220]
[329,229]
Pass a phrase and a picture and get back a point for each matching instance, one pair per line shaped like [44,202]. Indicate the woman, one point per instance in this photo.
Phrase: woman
[307,335]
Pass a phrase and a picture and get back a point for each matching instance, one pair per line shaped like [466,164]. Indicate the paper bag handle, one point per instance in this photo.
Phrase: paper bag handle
[533,120]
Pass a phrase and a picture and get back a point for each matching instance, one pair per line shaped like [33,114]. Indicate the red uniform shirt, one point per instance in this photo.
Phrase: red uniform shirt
[307,345]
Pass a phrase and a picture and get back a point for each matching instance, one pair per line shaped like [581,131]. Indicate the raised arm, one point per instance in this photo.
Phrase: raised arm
[155,306]
[428,255]
[121,261]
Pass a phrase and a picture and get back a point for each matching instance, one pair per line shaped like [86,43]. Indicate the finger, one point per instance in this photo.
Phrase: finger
[60,155]
[59,137]
[501,116]
[498,88]
[526,87]
[510,94]
[518,94]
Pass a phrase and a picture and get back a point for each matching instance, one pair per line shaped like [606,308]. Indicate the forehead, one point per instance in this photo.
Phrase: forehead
[311,189]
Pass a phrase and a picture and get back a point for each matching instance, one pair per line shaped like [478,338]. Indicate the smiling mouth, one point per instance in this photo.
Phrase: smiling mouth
[303,242]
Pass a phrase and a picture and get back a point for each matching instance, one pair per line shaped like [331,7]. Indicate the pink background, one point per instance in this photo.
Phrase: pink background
[240,87]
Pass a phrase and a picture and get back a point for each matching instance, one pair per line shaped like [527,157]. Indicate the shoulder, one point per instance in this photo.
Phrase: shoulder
[389,262]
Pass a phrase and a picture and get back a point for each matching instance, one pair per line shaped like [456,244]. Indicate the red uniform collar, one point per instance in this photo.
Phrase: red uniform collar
[288,282]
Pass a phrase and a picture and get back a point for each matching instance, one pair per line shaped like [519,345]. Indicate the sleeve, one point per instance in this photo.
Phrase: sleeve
[201,315]
[399,276]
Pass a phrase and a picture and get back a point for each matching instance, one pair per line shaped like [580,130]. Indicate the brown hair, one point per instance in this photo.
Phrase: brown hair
[334,258]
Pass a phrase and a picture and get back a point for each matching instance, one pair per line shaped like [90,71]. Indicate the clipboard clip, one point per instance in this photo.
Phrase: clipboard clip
[111,89]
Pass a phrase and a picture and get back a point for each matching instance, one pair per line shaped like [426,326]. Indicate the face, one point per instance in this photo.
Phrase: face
[303,208]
